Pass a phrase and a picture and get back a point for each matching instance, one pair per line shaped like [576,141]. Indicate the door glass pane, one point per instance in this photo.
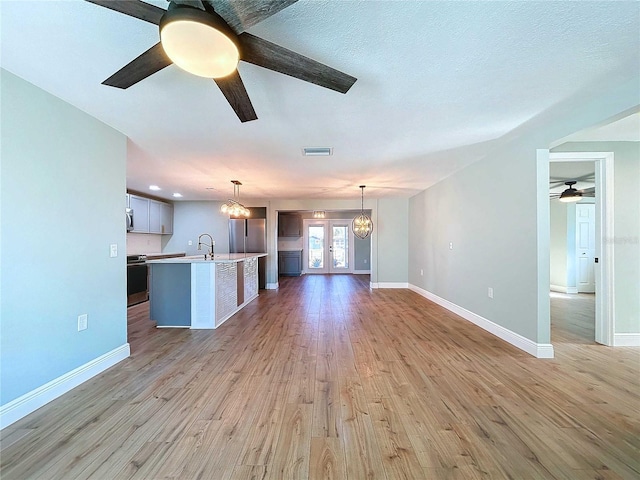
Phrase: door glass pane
[340,247]
[316,246]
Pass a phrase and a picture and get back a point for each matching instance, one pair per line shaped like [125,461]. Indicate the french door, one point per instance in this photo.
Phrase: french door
[328,246]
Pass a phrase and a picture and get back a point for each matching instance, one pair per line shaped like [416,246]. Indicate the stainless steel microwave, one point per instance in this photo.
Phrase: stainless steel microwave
[129,219]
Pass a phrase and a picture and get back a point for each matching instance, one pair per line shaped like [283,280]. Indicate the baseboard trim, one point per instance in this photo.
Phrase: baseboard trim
[271,286]
[389,285]
[626,339]
[31,401]
[561,289]
[362,272]
[538,350]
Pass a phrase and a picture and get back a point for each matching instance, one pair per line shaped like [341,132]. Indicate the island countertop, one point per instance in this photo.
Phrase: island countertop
[218,258]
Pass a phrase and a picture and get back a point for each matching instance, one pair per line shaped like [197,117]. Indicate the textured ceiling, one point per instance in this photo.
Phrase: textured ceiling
[439,84]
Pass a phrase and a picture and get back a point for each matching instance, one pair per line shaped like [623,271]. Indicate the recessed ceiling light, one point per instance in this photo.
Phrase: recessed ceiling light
[155,188]
[177,195]
[317,151]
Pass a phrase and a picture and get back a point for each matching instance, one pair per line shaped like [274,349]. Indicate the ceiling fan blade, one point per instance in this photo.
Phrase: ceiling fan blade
[133,8]
[589,191]
[189,3]
[240,15]
[150,62]
[274,57]
[235,93]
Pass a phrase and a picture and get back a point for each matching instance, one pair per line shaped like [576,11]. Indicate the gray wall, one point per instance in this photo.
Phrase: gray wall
[496,213]
[190,219]
[62,205]
[626,219]
[393,242]
[492,228]
[362,254]
[558,243]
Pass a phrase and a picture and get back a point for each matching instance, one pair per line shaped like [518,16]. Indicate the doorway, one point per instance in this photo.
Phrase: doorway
[328,246]
[603,250]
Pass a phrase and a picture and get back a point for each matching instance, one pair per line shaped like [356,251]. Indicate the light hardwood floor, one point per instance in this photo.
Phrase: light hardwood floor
[325,378]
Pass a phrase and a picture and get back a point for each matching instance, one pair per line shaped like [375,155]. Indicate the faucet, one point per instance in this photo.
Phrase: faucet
[210,245]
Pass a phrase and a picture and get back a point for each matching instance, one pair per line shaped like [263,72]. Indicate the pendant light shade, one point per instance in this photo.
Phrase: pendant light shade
[362,225]
[233,206]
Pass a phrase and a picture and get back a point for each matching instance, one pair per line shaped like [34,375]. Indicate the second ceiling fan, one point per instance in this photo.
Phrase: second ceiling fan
[208,38]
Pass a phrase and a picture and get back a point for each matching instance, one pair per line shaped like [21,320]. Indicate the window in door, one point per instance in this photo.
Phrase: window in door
[328,246]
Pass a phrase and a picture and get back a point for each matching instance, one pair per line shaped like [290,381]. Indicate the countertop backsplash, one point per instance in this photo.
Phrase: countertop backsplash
[142,243]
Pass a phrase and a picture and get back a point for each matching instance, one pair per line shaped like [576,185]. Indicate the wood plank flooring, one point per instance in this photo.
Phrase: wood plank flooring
[326,379]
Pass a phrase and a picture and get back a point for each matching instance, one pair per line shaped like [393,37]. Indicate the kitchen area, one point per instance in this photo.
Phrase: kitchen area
[192,281]
[195,265]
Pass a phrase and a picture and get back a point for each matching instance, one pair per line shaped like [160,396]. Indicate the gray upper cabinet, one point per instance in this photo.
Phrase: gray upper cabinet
[140,207]
[160,217]
[151,216]
[289,225]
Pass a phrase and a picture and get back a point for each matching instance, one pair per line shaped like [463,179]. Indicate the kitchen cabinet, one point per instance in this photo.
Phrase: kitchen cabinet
[289,225]
[160,217]
[150,216]
[140,207]
[290,263]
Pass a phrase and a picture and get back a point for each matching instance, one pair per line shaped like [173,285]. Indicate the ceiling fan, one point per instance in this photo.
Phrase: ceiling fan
[208,38]
[573,195]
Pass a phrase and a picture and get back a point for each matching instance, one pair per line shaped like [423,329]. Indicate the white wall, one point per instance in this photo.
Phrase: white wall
[63,201]
[626,218]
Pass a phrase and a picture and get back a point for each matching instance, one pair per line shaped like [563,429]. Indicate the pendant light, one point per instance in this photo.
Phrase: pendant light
[233,206]
[362,225]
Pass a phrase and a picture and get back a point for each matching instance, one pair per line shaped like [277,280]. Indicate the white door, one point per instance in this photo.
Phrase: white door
[586,247]
[328,246]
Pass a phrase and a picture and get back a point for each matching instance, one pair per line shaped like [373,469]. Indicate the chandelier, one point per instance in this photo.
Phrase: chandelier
[233,206]
[362,225]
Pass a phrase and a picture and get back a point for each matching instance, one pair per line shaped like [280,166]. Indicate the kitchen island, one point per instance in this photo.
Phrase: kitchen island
[194,292]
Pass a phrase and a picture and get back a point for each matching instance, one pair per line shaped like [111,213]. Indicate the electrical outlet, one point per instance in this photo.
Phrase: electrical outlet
[450,245]
[113,250]
[82,322]
[490,292]
[190,242]
[421,272]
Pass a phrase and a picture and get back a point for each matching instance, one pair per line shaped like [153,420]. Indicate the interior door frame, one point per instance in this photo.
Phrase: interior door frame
[328,224]
[604,275]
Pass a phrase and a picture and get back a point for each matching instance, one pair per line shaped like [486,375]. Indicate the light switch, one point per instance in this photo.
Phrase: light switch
[113,250]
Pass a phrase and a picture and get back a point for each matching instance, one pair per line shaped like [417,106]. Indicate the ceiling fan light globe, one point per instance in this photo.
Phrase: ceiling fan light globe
[199,49]
[199,42]
[569,199]
[570,195]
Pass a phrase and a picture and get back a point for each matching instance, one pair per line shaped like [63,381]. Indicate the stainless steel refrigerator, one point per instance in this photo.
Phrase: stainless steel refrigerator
[249,235]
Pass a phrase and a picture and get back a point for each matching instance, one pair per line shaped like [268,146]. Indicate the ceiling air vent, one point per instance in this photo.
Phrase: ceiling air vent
[317,151]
